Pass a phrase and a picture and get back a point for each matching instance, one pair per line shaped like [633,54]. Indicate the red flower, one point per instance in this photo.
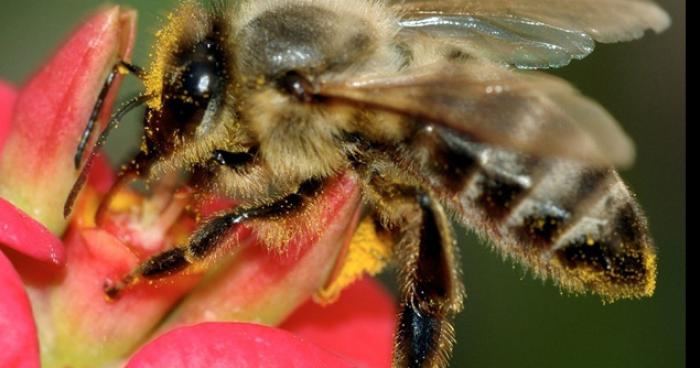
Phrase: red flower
[52,270]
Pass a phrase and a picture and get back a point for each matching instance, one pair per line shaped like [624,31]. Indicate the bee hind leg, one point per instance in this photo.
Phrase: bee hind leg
[431,289]
[209,237]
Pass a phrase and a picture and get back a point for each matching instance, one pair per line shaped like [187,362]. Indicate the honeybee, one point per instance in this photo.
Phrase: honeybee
[433,107]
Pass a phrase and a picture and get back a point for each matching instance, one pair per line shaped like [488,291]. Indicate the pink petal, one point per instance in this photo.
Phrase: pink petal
[7,103]
[81,328]
[19,346]
[22,233]
[102,175]
[241,345]
[36,165]
[359,326]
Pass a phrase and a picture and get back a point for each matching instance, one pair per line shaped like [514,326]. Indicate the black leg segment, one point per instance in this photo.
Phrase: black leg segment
[431,289]
[209,237]
[119,68]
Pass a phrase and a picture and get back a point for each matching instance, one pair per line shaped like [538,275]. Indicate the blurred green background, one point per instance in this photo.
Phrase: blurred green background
[510,319]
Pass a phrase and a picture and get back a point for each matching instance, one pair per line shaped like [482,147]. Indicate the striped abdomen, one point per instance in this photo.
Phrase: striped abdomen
[577,224]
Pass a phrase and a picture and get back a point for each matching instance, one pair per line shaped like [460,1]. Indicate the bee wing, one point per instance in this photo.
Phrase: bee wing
[526,111]
[530,33]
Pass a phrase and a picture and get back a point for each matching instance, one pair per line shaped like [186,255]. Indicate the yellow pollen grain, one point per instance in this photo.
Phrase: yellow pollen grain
[539,225]
[123,70]
[124,201]
[367,253]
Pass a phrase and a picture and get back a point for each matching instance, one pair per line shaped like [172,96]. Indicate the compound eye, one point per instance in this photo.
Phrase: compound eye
[199,80]
[202,74]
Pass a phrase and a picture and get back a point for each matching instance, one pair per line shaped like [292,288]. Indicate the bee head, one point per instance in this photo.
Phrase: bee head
[190,78]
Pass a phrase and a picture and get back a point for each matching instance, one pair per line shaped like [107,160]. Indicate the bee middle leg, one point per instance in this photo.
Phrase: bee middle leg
[431,289]
[209,237]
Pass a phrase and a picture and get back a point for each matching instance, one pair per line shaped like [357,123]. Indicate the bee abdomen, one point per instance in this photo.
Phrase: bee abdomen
[581,226]
[577,224]
[560,196]
[609,249]
[444,161]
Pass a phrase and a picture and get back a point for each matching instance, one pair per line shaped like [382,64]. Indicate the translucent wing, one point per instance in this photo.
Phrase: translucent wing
[527,112]
[530,33]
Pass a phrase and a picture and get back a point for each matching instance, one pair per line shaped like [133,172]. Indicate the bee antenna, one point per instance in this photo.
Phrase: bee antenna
[113,122]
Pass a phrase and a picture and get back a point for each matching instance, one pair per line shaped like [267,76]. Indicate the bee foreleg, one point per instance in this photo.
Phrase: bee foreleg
[121,67]
[431,290]
[208,238]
